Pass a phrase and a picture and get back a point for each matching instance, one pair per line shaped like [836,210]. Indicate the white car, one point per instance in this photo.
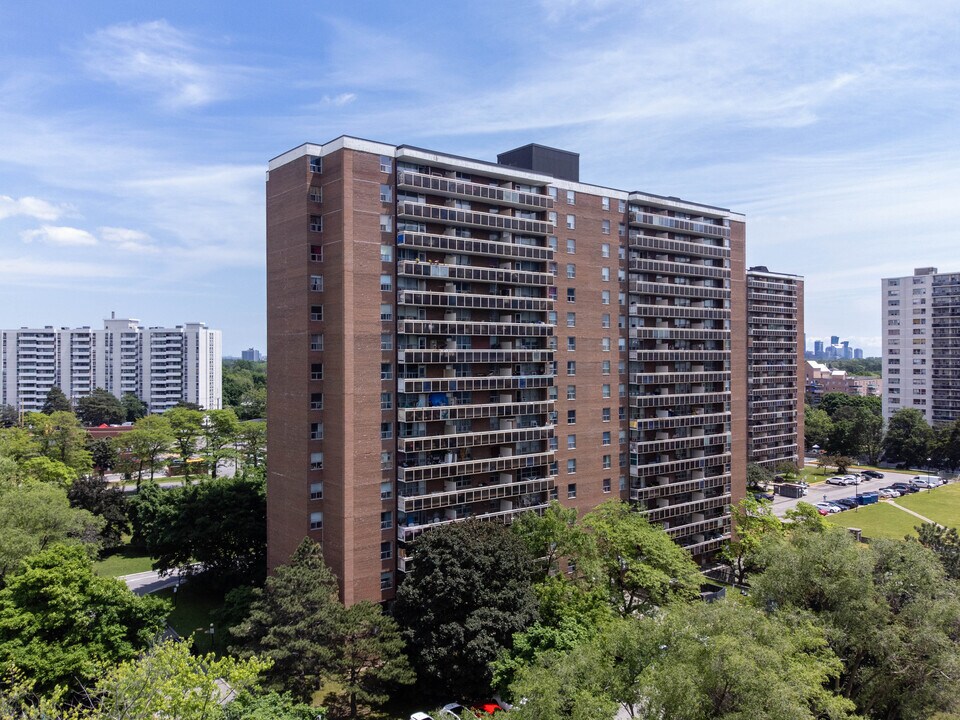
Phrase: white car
[420,716]
[828,506]
[854,479]
[888,493]
[454,711]
[838,480]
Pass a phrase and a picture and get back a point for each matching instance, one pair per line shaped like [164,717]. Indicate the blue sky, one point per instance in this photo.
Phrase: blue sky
[134,137]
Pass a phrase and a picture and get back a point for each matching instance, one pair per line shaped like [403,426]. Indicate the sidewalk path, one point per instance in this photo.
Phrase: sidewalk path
[915,514]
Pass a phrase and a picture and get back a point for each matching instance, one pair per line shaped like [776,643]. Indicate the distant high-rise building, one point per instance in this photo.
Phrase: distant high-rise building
[818,349]
[451,338]
[774,358]
[921,344]
[858,354]
[251,354]
[161,366]
[834,339]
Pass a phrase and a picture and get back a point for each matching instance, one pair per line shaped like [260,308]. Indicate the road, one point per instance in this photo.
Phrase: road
[144,583]
[822,491]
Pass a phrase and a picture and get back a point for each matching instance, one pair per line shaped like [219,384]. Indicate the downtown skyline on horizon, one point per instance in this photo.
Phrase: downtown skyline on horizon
[136,140]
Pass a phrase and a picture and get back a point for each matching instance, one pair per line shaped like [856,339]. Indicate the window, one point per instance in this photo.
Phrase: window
[571,246]
[316,341]
[605,227]
[606,462]
[552,191]
[386,283]
[571,270]
[571,295]
[571,319]
[386,163]
[605,390]
[605,344]
[623,390]
[604,297]
[621,205]
[386,551]
[386,461]
[571,487]
[606,485]
[571,197]
[605,274]
[316,521]
[552,317]
[552,218]
[386,520]
[316,164]
[316,312]
[605,367]
[605,320]
[571,442]
[386,400]
[386,252]
[386,371]
[386,194]
[316,491]
[553,443]
[316,253]
[386,312]
[316,401]
[605,203]
[386,224]
[605,438]
[316,461]
[571,367]
[316,223]
[316,371]
[316,283]
[605,250]
[386,490]
[571,392]
[386,580]
[386,341]
[386,430]
[571,343]
[605,414]
[316,431]
[571,417]
[552,241]
[621,231]
[571,466]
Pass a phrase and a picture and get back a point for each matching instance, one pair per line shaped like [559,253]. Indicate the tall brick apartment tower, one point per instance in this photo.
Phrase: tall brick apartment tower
[453,338]
[775,376]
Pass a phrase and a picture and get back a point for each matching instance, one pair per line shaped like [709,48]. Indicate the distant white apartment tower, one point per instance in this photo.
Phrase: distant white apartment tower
[161,366]
[921,344]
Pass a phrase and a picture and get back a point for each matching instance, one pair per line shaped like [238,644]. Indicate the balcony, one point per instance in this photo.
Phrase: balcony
[494,195]
[413,268]
[456,355]
[675,268]
[409,533]
[678,290]
[473,412]
[696,528]
[453,299]
[469,218]
[674,421]
[668,333]
[695,441]
[638,217]
[454,441]
[447,470]
[680,488]
[435,501]
[471,246]
[468,327]
[469,384]
[670,399]
[674,311]
[686,508]
[675,466]
[639,241]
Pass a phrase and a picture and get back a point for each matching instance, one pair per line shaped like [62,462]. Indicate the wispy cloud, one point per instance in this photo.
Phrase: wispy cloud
[59,235]
[29,207]
[158,59]
[127,240]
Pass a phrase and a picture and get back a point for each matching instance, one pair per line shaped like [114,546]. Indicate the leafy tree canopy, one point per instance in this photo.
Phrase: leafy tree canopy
[56,401]
[134,407]
[101,407]
[98,497]
[909,438]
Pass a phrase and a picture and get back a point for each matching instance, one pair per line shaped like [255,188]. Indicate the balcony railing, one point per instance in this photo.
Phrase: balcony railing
[412,268]
[454,441]
[471,327]
[639,241]
[686,508]
[673,466]
[454,299]
[471,246]
[409,533]
[448,470]
[696,441]
[470,218]
[674,311]
[680,488]
[638,217]
[446,187]
[472,412]
[675,268]
[468,384]
[690,291]
[466,496]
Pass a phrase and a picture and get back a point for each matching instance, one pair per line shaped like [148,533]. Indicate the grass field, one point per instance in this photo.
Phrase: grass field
[942,504]
[878,521]
[123,562]
[192,612]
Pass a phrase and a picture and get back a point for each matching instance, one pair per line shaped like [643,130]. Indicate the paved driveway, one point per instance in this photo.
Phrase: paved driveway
[822,491]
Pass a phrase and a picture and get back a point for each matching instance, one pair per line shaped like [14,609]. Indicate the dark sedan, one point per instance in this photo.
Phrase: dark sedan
[872,474]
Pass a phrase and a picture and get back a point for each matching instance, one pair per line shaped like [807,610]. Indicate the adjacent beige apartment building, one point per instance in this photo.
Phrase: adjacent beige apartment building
[453,338]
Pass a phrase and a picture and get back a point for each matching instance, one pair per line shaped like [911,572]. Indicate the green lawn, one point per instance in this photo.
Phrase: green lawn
[877,521]
[192,613]
[941,504]
[125,561]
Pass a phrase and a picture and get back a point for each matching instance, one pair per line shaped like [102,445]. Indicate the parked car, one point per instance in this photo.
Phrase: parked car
[924,483]
[455,711]
[854,479]
[847,503]
[828,506]
[873,474]
[904,488]
[763,496]
[487,708]
[888,492]
[838,480]
[420,716]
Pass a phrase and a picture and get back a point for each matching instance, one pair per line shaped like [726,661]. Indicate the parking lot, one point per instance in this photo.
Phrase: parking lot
[821,491]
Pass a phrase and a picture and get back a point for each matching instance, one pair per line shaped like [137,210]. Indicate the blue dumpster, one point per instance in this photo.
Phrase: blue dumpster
[868,498]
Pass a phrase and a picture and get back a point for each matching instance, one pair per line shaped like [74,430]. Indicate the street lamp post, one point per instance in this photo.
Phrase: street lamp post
[929,488]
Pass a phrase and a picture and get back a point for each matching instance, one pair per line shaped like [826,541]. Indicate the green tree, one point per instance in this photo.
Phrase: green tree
[758,476]
[52,472]
[817,427]
[220,524]
[753,522]
[56,401]
[551,537]
[99,498]
[889,612]
[467,593]
[370,657]
[945,543]
[841,462]
[252,441]
[34,517]
[294,623]
[9,417]
[62,624]
[221,431]
[253,404]
[18,444]
[103,455]
[150,438]
[169,681]
[133,406]
[642,567]
[909,438]
[269,706]
[187,427]
[101,407]
[945,449]
[60,436]
[806,517]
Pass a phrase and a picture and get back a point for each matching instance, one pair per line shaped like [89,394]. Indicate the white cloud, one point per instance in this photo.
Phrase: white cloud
[340,100]
[59,235]
[128,240]
[156,57]
[29,207]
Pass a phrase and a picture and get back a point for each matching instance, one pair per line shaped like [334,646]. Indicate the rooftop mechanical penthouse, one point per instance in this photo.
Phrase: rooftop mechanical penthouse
[451,338]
